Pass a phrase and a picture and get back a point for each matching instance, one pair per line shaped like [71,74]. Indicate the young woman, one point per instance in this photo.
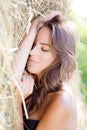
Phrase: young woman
[44,62]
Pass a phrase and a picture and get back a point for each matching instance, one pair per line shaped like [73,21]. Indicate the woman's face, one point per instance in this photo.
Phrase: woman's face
[42,54]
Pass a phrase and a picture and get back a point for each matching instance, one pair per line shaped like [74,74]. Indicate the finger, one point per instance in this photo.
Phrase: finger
[31,84]
[47,11]
[50,14]
[21,84]
[40,24]
[31,80]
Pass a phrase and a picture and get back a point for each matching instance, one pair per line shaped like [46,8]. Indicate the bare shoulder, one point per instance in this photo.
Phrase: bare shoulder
[59,111]
[64,97]
[63,101]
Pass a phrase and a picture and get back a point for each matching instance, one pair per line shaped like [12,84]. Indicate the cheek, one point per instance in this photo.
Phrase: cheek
[44,61]
[47,60]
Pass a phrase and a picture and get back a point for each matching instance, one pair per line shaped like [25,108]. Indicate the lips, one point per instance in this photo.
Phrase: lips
[32,60]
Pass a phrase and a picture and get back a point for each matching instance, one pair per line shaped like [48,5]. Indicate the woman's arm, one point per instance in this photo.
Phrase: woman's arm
[21,56]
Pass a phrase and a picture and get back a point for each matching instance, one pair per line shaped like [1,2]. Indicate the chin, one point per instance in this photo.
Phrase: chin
[35,73]
[32,71]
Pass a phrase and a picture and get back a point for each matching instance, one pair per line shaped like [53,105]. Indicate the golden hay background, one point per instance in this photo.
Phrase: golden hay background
[15,18]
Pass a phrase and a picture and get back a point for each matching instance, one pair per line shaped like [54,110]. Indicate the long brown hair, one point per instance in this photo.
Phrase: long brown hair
[63,41]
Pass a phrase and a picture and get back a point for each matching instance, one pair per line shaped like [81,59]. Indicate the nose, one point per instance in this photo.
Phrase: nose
[34,51]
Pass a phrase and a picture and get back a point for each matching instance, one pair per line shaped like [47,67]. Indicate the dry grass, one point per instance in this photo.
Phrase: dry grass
[15,19]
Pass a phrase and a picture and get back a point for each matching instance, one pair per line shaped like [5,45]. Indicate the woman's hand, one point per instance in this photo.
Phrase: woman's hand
[40,20]
[49,14]
[26,84]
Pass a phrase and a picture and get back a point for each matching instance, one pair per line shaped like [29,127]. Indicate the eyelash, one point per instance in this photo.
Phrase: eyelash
[41,48]
[44,50]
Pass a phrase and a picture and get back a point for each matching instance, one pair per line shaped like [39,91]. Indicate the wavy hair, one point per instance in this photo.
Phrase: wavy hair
[63,41]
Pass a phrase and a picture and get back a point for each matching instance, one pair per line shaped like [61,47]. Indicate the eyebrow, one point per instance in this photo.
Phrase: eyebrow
[45,44]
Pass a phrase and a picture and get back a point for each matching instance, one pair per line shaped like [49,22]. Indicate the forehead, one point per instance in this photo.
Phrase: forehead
[44,35]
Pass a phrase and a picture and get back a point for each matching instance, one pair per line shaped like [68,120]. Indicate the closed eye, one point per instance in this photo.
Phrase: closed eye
[45,47]
[45,50]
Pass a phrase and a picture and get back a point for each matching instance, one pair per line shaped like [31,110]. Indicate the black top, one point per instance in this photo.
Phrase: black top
[30,124]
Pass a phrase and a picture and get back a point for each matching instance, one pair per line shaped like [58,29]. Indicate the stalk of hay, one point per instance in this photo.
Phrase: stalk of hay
[15,19]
